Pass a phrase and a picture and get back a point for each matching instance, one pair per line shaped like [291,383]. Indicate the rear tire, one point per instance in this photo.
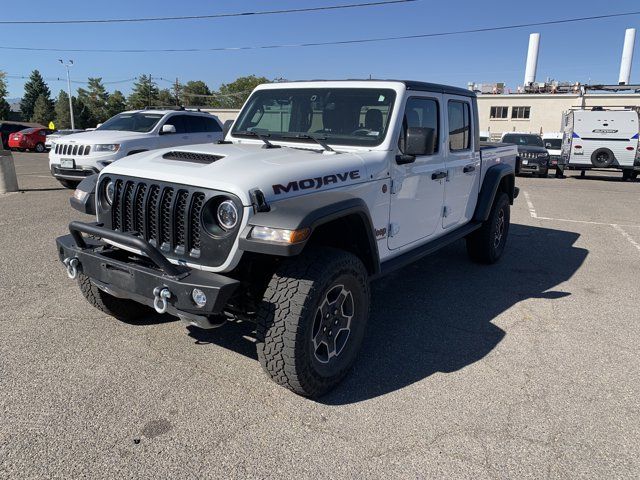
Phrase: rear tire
[312,319]
[120,308]
[70,184]
[602,158]
[487,244]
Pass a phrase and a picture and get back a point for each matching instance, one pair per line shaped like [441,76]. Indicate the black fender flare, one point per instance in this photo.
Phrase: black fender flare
[86,201]
[490,185]
[308,211]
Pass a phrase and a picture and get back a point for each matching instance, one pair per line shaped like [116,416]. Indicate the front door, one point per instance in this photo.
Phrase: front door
[462,162]
[417,192]
[182,135]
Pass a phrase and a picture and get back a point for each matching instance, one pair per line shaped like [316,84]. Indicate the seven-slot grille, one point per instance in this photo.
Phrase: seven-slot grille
[166,216]
[72,149]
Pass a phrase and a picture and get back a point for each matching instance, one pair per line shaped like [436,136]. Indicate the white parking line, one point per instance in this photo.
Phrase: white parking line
[627,236]
[532,209]
[532,212]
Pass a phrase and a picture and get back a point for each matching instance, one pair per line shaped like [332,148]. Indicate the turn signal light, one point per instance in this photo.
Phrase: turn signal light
[280,235]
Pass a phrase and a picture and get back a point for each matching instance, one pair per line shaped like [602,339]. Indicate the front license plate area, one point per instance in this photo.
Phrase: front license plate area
[67,163]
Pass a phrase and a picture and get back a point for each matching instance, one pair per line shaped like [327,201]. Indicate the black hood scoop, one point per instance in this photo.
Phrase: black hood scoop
[204,158]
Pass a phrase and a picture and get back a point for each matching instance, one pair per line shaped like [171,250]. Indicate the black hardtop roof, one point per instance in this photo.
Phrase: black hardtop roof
[410,85]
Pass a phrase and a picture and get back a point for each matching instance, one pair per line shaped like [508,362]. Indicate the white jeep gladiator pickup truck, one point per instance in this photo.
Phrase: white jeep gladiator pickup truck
[79,155]
[317,189]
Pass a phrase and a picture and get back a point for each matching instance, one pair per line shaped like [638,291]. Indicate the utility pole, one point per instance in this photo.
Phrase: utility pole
[149,92]
[67,65]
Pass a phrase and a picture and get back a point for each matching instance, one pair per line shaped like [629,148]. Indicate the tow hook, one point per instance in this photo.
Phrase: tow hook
[160,297]
[72,267]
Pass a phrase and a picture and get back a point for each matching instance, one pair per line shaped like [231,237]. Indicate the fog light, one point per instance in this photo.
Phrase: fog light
[199,298]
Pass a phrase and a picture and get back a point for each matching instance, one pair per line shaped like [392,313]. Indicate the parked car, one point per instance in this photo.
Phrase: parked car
[29,139]
[79,155]
[52,137]
[7,128]
[534,158]
[602,138]
[285,223]
[553,143]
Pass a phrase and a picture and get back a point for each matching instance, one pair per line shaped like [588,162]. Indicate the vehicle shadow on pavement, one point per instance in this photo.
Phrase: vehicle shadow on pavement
[436,314]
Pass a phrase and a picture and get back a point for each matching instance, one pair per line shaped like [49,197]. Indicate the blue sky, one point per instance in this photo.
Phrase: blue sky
[585,51]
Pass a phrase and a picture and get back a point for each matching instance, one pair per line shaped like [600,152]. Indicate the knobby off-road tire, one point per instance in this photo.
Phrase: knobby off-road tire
[120,308]
[302,341]
[486,244]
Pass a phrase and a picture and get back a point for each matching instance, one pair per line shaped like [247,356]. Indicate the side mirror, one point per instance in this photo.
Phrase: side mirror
[98,125]
[166,129]
[226,127]
[420,141]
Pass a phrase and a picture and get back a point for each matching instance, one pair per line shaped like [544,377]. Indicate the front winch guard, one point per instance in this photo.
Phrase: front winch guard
[166,287]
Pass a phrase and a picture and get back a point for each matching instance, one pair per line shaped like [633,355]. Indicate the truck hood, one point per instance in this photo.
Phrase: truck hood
[102,136]
[278,172]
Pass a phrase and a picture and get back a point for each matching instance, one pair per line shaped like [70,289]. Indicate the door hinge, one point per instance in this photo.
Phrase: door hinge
[394,228]
[445,211]
[396,186]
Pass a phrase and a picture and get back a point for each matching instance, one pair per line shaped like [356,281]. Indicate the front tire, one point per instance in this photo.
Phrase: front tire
[487,244]
[120,308]
[40,147]
[312,319]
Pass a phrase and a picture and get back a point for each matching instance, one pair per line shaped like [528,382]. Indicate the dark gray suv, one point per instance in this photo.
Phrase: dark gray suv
[534,158]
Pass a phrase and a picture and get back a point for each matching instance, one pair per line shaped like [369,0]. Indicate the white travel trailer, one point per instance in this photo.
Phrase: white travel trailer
[602,138]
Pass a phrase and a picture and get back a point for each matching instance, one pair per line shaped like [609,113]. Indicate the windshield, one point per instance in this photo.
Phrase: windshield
[553,143]
[528,140]
[340,116]
[132,122]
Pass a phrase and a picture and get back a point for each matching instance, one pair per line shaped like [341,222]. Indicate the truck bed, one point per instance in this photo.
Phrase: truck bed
[493,153]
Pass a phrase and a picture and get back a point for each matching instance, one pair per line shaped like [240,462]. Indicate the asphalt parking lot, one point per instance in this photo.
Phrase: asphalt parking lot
[526,369]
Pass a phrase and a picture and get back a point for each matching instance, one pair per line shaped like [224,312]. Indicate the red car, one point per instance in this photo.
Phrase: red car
[29,139]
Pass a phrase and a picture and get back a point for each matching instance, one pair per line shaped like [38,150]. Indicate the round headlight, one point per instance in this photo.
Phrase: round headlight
[109,192]
[227,215]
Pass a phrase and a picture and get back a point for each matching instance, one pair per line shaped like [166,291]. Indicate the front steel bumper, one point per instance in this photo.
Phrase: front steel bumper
[141,277]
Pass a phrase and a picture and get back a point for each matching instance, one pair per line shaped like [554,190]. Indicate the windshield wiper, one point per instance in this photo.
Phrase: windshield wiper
[319,140]
[263,137]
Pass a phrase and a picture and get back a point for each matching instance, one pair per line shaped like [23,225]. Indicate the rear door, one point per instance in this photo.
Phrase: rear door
[418,187]
[462,162]
[199,129]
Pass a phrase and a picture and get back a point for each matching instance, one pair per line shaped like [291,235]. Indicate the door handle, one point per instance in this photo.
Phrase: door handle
[469,169]
[438,175]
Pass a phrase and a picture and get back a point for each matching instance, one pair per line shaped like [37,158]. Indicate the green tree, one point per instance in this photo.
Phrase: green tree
[95,97]
[191,90]
[116,104]
[144,93]
[5,108]
[82,114]
[34,87]
[234,94]
[63,117]
[43,111]
[166,98]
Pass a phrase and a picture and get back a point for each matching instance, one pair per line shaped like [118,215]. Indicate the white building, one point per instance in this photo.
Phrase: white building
[538,113]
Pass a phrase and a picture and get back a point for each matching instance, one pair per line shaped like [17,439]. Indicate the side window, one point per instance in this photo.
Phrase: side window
[459,125]
[420,112]
[178,122]
[210,125]
[194,124]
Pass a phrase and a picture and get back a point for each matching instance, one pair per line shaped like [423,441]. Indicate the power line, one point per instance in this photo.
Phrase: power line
[204,17]
[60,79]
[336,42]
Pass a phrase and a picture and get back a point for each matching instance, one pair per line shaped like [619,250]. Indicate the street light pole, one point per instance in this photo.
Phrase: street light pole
[67,65]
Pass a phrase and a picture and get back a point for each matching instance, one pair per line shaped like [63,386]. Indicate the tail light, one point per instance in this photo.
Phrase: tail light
[631,148]
[577,147]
